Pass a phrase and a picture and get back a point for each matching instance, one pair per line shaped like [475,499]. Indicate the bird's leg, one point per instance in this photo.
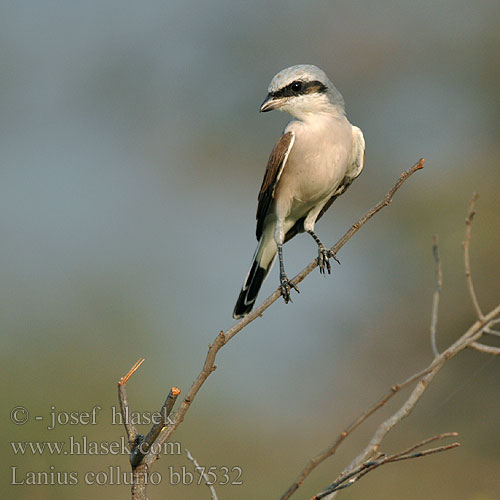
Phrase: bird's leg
[324,255]
[286,284]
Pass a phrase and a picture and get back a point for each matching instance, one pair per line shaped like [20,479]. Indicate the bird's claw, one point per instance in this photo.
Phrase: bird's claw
[285,287]
[324,256]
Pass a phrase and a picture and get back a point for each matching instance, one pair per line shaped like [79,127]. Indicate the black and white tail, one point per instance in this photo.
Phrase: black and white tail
[261,265]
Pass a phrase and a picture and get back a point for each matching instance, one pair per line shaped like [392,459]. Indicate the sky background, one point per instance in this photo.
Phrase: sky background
[132,154]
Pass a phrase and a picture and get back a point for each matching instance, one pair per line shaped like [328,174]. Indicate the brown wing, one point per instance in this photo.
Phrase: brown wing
[275,165]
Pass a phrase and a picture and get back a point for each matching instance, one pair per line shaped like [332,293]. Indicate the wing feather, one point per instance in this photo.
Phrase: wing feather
[275,165]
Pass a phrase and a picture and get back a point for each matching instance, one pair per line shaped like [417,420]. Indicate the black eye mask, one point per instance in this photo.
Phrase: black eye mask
[299,87]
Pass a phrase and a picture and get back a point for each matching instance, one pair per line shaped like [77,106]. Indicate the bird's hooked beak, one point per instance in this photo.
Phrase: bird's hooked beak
[271,103]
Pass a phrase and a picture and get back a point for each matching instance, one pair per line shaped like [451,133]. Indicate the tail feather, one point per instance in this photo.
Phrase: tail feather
[261,265]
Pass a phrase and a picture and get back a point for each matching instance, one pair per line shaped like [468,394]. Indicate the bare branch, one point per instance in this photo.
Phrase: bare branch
[488,349]
[437,293]
[224,337]
[124,404]
[424,377]
[135,367]
[490,330]
[425,442]
[483,325]
[470,336]
[468,276]
[348,479]
[201,470]
[147,444]
[328,452]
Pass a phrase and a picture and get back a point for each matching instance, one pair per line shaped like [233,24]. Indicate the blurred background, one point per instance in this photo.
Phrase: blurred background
[132,153]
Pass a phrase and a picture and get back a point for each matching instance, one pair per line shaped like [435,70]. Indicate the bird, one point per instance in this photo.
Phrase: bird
[315,160]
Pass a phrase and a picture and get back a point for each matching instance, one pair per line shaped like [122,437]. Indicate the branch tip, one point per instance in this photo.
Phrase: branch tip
[135,367]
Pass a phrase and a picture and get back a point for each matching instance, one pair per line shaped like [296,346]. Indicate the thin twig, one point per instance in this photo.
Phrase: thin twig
[468,339]
[367,467]
[468,276]
[132,370]
[424,377]
[488,349]
[224,337]
[425,442]
[490,331]
[436,296]
[346,480]
[470,336]
[124,404]
[201,470]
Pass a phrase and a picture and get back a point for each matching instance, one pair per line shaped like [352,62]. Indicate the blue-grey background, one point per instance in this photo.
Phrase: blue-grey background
[132,153]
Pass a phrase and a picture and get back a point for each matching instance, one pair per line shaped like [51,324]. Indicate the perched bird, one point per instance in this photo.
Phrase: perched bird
[315,160]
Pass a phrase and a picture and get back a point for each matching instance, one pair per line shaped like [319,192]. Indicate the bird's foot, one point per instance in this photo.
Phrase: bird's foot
[286,286]
[324,256]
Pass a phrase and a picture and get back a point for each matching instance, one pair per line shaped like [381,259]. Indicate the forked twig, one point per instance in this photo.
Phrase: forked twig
[348,479]
[468,275]
[483,324]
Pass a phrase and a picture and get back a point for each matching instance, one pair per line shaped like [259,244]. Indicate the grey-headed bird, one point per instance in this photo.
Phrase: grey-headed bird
[315,160]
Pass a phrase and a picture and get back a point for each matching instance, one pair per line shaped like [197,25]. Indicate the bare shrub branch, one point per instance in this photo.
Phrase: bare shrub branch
[488,349]
[348,479]
[145,451]
[224,337]
[482,325]
[142,462]
[147,445]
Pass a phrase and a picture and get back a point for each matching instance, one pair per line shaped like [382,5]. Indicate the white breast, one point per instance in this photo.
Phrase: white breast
[317,162]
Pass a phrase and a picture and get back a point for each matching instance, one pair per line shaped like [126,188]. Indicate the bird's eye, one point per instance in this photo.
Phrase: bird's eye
[297,86]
